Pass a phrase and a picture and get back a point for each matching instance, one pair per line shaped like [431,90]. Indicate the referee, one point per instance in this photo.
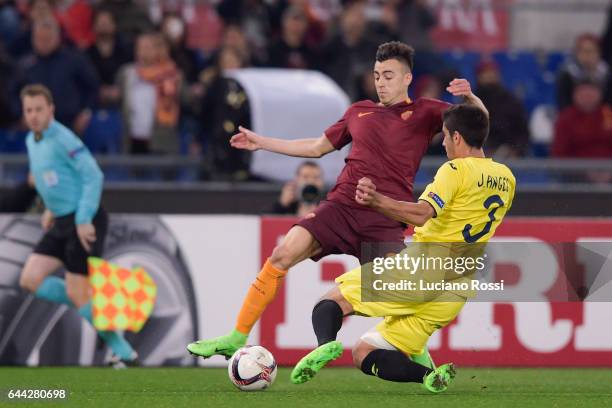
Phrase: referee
[69,182]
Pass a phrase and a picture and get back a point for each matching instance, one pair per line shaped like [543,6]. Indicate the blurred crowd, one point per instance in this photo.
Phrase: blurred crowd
[146,77]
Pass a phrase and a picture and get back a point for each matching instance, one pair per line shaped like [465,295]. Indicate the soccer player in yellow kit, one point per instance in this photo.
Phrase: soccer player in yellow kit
[464,205]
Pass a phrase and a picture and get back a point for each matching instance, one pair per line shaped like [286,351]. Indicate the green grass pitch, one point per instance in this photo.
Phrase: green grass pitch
[334,387]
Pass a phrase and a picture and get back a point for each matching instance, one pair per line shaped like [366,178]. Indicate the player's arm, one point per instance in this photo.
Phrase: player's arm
[91,177]
[313,147]
[431,203]
[416,214]
[461,87]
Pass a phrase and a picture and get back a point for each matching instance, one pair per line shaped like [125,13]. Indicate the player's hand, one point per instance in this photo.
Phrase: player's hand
[288,194]
[47,220]
[459,87]
[87,235]
[81,122]
[246,140]
[366,192]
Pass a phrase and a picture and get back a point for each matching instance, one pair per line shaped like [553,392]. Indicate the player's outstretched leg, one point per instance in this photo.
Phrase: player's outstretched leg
[393,365]
[260,294]
[297,245]
[314,361]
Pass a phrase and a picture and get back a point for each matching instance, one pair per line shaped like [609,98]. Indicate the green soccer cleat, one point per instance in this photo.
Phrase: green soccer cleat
[438,380]
[219,346]
[314,361]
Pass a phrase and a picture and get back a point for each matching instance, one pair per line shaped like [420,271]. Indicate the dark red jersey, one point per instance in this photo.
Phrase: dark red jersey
[388,145]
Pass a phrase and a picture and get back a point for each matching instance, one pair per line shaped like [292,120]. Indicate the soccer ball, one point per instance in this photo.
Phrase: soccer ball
[252,368]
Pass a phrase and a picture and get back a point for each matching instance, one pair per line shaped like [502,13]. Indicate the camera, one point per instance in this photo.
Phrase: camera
[309,194]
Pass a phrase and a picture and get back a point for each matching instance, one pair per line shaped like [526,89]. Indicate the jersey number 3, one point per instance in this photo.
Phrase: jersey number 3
[494,199]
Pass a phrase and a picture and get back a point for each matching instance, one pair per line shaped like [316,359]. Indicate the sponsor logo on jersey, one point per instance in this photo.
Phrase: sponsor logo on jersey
[362,114]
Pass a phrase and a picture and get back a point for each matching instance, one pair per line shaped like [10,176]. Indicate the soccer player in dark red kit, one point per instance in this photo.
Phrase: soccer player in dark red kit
[389,140]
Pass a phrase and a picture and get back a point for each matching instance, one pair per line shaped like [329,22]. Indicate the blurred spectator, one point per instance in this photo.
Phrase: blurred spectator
[417,20]
[225,107]
[428,86]
[75,17]
[248,19]
[185,9]
[382,17]
[36,10]
[9,22]
[204,28]
[150,91]
[316,29]
[234,37]
[585,64]
[606,41]
[175,32]
[509,134]
[130,16]
[301,195]
[20,199]
[291,51]
[414,21]
[108,54]
[326,10]
[585,128]
[67,73]
[7,116]
[350,51]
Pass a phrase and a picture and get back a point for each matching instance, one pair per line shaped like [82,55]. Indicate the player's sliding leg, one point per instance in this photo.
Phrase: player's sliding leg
[393,365]
[79,292]
[384,351]
[327,318]
[297,245]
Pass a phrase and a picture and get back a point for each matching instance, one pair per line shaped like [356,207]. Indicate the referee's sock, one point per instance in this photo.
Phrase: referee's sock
[115,340]
[392,365]
[326,320]
[53,289]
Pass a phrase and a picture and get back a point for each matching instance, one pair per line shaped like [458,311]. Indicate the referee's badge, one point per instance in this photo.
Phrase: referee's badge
[50,178]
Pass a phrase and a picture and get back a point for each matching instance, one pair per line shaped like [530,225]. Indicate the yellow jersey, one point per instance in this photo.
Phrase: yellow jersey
[470,197]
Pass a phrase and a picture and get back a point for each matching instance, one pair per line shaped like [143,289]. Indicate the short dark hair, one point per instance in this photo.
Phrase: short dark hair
[396,50]
[471,122]
[37,90]
[307,163]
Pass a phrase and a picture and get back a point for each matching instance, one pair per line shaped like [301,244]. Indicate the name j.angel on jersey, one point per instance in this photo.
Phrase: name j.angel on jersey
[500,183]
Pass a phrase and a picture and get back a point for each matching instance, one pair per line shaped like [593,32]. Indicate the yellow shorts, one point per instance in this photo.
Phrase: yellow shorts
[406,325]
